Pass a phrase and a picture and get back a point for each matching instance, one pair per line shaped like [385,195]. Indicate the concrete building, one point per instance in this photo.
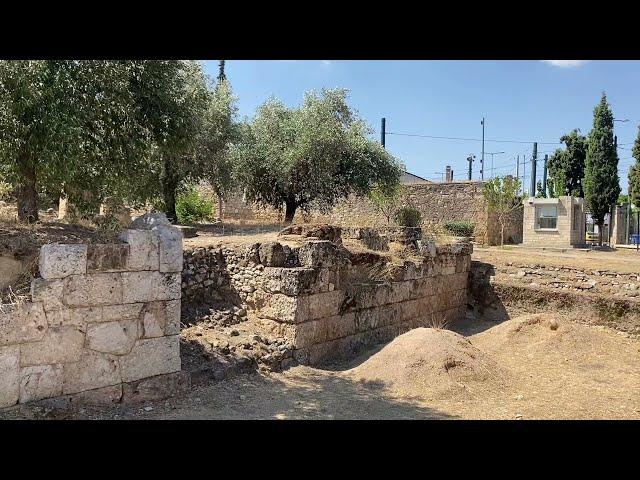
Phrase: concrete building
[554,222]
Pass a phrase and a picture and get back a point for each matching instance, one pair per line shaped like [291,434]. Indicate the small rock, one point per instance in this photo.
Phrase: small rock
[553,324]
[234,333]
[148,409]
[242,397]
[519,397]
[518,416]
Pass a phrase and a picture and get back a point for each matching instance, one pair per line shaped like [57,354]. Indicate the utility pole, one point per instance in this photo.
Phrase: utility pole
[518,168]
[534,158]
[482,159]
[470,159]
[544,176]
[524,171]
[383,132]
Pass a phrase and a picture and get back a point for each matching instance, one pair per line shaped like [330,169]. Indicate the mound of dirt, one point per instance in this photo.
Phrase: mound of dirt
[430,363]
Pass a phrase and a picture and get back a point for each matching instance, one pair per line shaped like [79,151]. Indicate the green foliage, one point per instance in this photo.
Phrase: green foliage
[601,182]
[408,217]
[502,196]
[566,167]
[539,190]
[634,173]
[459,228]
[313,154]
[386,198]
[191,207]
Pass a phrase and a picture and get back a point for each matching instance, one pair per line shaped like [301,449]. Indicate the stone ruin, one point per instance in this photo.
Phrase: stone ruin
[103,322]
[328,301]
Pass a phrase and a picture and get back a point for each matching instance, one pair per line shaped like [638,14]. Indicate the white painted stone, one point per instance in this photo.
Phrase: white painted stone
[60,260]
[9,375]
[170,248]
[48,292]
[143,249]
[59,345]
[93,370]
[152,356]
[94,289]
[116,338]
[23,323]
[42,381]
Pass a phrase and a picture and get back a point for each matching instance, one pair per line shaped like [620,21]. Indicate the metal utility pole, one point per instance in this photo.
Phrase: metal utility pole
[534,158]
[470,159]
[492,154]
[524,171]
[383,132]
[518,168]
[544,176]
[482,159]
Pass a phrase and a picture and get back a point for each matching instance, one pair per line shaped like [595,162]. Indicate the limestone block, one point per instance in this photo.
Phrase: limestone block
[144,252]
[301,309]
[93,370]
[98,396]
[24,323]
[9,375]
[295,281]
[172,313]
[60,260]
[324,329]
[47,292]
[128,311]
[116,338]
[59,345]
[85,315]
[151,356]
[151,286]
[62,317]
[170,240]
[272,254]
[156,388]
[319,253]
[93,289]
[153,320]
[107,257]
[38,382]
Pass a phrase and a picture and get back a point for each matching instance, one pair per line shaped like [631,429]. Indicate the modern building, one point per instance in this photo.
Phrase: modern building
[554,222]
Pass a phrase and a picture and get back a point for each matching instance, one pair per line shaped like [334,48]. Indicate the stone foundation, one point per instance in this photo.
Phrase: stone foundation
[102,318]
[328,302]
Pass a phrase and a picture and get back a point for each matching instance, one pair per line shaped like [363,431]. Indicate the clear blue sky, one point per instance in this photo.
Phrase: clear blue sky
[520,100]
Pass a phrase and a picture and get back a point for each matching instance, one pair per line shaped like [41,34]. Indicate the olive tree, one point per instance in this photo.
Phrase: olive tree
[310,156]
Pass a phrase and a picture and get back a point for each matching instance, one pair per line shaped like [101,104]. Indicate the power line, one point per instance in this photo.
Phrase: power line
[469,139]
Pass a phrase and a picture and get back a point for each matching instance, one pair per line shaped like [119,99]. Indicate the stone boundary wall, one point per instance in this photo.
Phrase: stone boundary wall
[438,203]
[327,301]
[103,322]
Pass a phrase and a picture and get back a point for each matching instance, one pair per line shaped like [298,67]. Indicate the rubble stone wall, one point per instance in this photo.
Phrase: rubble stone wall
[103,322]
[330,303]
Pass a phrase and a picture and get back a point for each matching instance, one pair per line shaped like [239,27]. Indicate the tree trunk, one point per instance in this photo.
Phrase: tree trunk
[27,193]
[502,235]
[600,227]
[169,194]
[290,211]
[219,218]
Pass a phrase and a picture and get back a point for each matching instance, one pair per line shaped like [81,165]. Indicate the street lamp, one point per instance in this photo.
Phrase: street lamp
[492,154]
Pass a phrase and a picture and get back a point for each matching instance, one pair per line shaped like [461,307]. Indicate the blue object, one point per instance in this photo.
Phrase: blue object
[635,239]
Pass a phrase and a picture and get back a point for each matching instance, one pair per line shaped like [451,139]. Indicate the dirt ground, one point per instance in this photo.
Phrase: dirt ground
[518,369]
[621,260]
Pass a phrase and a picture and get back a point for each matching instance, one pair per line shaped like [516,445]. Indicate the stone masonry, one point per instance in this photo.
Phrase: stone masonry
[103,322]
[327,301]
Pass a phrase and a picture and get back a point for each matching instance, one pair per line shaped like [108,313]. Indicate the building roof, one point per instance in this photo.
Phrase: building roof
[407,178]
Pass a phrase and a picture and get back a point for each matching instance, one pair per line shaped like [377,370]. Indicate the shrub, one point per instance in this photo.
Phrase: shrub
[408,217]
[459,228]
[191,207]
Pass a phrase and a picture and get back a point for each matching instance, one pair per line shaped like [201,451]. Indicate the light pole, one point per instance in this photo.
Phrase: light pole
[482,159]
[492,154]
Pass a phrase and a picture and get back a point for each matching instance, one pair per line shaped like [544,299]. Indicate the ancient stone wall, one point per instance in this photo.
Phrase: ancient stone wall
[329,302]
[438,203]
[103,321]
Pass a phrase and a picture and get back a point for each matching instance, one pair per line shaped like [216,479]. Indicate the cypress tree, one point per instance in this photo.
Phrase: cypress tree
[601,181]
[634,174]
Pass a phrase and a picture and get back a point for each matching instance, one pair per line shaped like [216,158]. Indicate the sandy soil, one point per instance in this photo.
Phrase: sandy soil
[623,261]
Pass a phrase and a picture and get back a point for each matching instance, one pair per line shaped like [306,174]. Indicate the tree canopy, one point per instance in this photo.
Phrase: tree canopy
[634,173]
[566,166]
[311,155]
[601,181]
[502,197]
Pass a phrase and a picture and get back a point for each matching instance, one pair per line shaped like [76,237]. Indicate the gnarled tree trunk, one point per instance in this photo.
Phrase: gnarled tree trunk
[290,210]
[27,193]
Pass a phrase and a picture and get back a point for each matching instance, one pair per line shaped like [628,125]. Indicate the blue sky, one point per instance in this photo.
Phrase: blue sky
[521,100]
